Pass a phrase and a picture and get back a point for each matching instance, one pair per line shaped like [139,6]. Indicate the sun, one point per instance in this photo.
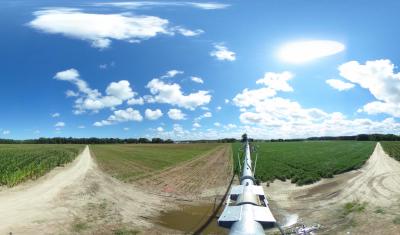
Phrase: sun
[305,51]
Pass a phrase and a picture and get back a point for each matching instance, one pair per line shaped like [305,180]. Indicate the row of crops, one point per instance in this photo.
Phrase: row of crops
[307,162]
[20,162]
[127,162]
[392,148]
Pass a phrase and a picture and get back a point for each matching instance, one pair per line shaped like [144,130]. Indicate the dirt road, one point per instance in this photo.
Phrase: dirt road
[377,184]
[77,198]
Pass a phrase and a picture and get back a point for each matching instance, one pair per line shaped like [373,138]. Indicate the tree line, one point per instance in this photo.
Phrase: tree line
[94,140]
[361,137]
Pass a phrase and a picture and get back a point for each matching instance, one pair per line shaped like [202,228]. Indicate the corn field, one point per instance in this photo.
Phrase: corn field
[21,162]
[392,148]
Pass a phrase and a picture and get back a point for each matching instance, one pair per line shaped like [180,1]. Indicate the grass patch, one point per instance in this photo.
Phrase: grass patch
[379,211]
[79,226]
[352,207]
[306,162]
[396,220]
[124,231]
[128,161]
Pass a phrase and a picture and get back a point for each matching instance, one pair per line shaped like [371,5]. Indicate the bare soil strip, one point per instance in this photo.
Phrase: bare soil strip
[201,177]
[377,183]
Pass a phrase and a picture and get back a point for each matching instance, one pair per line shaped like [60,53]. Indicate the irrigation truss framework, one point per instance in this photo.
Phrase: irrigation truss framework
[246,209]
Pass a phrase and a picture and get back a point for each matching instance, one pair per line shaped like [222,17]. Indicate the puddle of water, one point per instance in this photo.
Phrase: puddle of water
[189,218]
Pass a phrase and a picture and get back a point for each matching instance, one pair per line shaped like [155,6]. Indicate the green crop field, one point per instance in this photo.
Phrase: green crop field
[128,161]
[392,148]
[20,162]
[308,162]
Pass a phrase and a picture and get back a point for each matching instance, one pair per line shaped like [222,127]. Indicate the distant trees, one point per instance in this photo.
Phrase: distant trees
[156,140]
[244,137]
[361,137]
[93,140]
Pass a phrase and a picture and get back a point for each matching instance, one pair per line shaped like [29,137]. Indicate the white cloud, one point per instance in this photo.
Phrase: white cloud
[6,132]
[101,29]
[217,124]
[153,114]
[205,115]
[106,66]
[197,79]
[178,130]
[126,128]
[266,115]
[305,51]
[55,115]
[172,73]
[219,108]
[226,101]
[172,94]
[230,126]
[221,52]
[277,81]
[122,115]
[60,124]
[70,93]
[160,129]
[136,101]
[92,99]
[176,114]
[339,84]
[121,90]
[188,32]
[382,82]
[143,4]
[81,127]
[196,125]
[209,5]
[247,96]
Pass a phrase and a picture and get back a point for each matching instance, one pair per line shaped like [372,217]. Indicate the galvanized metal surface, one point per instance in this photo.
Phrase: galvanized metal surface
[246,210]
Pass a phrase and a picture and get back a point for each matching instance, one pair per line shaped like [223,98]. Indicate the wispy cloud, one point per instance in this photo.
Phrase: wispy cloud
[60,124]
[197,79]
[339,84]
[6,132]
[149,4]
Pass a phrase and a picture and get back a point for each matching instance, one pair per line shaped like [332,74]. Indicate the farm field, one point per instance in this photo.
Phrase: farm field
[20,162]
[130,161]
[308,162]
[392,148]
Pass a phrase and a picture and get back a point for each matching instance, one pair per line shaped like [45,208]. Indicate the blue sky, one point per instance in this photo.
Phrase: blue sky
[200,69]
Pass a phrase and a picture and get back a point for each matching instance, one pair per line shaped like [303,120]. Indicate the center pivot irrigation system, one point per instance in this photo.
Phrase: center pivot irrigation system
[246,209]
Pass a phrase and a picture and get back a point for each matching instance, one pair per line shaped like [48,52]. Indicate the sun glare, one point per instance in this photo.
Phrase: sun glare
[305,51]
